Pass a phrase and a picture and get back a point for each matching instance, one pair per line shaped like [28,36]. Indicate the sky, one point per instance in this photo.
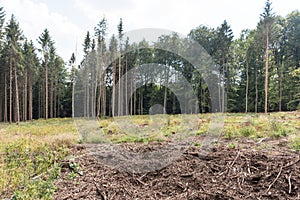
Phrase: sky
[69,20]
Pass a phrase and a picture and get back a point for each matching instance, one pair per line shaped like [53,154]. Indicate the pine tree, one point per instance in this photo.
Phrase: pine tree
[267,21]
[46,42]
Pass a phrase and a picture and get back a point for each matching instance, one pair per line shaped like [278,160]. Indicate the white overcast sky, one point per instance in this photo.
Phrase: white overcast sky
[69,20]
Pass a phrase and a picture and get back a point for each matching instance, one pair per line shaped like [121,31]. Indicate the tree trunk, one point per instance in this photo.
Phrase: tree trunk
[113,90]
[10,90]
[73,92]
[17,108]
[166,89]
[51,98]
[46,91]
[134,92]
[126,86]
[55,100]
[25,100]
[256,90]
[5,98]
[119,87]
[267,72]
[280,77]
[30,97]
[247,85]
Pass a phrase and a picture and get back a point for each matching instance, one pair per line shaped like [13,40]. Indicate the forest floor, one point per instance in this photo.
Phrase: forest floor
[250,170]
[252,160]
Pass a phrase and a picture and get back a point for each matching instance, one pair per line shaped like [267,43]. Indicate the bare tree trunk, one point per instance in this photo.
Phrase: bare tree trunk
[166,89]
[30,97]
[113,90]
[55,99]
[267,72]
[119,85]
[5,98]
[131,95]
[247,85]
[10,90]
[223,88]
[141,101]
[134,94]
[17,108]
[46,91]
[25,100]
[256,91]
[73,92]
[51,98]
[126,86]
[280,77]
[58,102]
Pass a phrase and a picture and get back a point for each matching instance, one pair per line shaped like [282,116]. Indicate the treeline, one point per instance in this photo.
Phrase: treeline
[259,72]
[31,86]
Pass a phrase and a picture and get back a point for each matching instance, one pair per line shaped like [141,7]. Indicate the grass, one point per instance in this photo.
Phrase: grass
[30,155]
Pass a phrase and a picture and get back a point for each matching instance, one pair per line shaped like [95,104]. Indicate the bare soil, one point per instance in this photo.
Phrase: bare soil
[251,170]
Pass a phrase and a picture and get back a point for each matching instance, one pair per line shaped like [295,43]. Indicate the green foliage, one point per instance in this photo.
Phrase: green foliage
[30,161]
[294,142]
[247,131]
[231,145]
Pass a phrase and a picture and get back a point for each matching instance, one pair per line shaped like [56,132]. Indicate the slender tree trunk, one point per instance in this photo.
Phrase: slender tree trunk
[126,86]
[25,100]
[256,91]
[280,77]
[223,85]
[51,98]
[10,90]
[119,86]
[267,72]
[5,98]
[55,99]
[141,101]
[46,91]
[113,90]
[73,92]
[17,108]
[247,85]
[30,97]
[134,92]
[166,89]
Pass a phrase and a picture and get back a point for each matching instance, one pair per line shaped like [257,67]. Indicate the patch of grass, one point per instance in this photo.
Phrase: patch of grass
[247,131]
[197,144]
[230,132]
[231,145]
[30,153]
[294,142]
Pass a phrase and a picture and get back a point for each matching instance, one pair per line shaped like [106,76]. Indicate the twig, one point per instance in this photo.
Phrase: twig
[141,182]
[275,179]
[290,184]
[235,159]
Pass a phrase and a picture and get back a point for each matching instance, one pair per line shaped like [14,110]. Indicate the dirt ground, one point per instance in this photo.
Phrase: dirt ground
[250,170]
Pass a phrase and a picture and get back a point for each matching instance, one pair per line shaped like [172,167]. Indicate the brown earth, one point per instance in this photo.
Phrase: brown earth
[250,170]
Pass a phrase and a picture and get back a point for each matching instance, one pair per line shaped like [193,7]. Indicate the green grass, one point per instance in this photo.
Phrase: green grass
[30,155]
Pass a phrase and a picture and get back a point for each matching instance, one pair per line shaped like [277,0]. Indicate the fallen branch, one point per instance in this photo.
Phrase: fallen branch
[235,159]
[290,184]
[275,179]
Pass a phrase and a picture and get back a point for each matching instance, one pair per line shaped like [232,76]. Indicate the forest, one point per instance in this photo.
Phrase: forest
[260,70]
